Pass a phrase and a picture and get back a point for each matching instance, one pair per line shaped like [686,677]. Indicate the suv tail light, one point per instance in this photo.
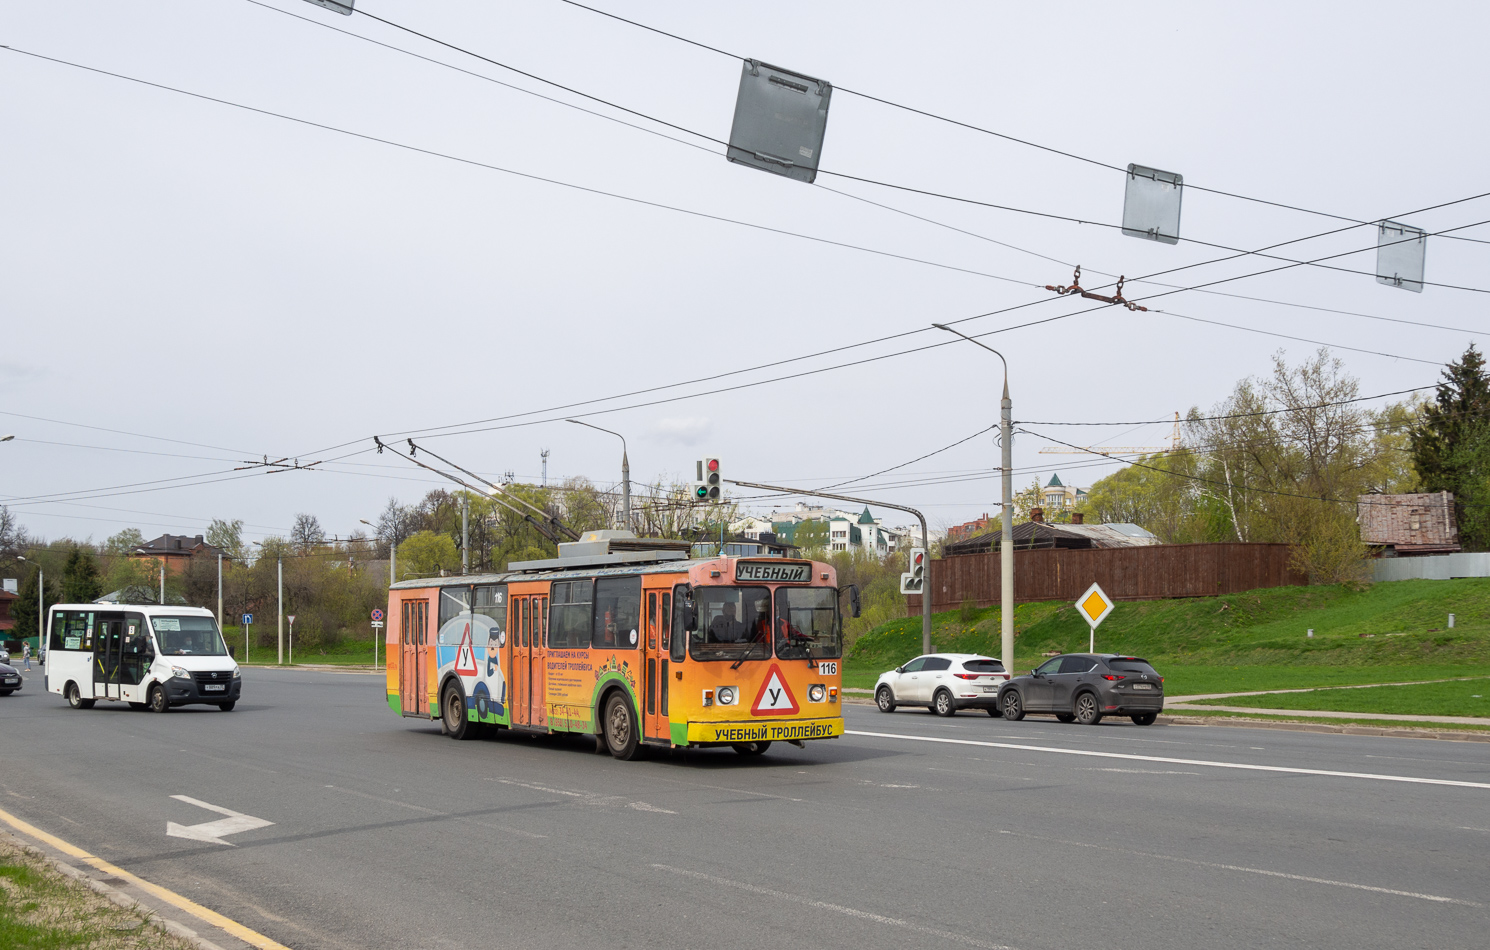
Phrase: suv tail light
[966,676]
[1113,676]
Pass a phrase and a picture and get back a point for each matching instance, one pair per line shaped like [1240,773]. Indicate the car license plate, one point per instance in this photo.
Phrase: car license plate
[214,687]
[12,680]
[990,689]
[1143,685]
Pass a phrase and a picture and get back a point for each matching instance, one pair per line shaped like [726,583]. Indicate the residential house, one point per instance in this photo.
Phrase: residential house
[1057,496]
[847,531]
[175,551]
[1038,533]
[7,597]
[1409,524]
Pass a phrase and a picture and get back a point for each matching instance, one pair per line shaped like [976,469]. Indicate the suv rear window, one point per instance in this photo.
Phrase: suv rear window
[1132,665]
[983,666]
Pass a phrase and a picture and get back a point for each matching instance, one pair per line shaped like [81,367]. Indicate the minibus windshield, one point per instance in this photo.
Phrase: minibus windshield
[188,636]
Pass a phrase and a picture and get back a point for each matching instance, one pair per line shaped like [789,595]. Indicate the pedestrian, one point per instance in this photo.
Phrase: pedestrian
[26,654]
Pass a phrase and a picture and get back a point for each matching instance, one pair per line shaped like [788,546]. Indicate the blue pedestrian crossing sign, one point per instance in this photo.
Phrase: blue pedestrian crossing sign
[248,619]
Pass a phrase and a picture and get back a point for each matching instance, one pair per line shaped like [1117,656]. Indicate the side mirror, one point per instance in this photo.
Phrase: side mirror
[854,606]
[233,652]
[900,669]
[690,617]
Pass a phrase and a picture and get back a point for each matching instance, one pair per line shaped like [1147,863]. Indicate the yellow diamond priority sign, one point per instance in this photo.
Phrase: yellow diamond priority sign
[1094,605]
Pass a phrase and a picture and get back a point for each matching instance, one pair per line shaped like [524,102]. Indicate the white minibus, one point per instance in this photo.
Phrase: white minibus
[151,657]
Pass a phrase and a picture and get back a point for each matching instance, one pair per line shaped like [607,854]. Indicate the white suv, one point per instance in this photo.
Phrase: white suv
[944,683]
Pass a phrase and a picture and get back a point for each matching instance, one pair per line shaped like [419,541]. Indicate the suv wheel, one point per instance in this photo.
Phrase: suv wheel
[1013,705]
[1088,710]
[942,704]
[884,698]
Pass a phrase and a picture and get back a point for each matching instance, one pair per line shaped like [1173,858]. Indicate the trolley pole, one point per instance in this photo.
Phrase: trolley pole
[926,584]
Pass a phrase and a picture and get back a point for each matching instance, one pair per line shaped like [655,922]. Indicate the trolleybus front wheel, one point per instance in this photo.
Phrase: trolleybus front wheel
[751,748]
[620,727]
[75,698]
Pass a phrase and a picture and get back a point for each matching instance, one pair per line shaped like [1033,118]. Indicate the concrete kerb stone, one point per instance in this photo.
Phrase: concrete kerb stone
[150,916]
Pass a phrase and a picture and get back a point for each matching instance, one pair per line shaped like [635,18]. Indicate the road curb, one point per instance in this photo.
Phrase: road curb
[1349,730]
[150,916]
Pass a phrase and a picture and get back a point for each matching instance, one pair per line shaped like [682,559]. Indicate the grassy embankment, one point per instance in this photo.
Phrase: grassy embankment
[1391,632]
[42,910]
[346,653]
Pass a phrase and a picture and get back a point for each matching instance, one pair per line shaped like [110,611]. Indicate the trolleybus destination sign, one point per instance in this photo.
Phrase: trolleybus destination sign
[766,571]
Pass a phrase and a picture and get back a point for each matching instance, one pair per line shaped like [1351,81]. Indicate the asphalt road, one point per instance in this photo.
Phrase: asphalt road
[386,834]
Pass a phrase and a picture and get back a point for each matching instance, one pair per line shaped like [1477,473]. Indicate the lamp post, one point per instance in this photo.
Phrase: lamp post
[625,471]
[41,593]
[1006,546]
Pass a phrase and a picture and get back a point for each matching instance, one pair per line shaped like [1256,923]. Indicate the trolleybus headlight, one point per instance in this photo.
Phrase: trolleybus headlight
[180,673]
[726,695]
[817,692]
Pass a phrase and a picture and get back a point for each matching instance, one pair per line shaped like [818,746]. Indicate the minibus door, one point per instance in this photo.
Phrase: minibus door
[658,605]
[108,648]
[138,656]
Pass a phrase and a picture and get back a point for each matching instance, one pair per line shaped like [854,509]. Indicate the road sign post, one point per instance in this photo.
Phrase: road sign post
[377,624]
[292,639]
[248,620]
[1094,606]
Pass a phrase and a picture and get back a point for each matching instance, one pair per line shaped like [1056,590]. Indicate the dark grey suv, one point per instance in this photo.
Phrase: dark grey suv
[1084,687]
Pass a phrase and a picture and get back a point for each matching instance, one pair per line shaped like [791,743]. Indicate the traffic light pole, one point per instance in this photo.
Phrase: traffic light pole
[926,584]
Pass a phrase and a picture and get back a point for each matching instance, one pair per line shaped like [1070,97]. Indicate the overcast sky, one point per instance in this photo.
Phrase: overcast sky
[250,286]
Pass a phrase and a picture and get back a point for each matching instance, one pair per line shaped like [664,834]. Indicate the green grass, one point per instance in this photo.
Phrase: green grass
[349,652]
[1471,698]
[1253,640]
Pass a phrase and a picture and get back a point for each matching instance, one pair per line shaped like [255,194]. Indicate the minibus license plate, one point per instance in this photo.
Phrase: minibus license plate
[214,687]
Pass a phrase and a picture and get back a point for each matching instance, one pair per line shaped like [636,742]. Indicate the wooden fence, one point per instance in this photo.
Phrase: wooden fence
[1143,573]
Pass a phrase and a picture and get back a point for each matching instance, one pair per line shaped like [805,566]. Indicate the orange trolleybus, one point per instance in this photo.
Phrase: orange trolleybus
[636,647]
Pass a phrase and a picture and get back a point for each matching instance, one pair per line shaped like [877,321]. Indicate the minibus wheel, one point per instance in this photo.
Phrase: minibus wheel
[75,698]
[227,706]
[157,700]
[620,727]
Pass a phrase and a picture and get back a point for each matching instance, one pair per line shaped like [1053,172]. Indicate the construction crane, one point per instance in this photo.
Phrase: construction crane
[1173,446]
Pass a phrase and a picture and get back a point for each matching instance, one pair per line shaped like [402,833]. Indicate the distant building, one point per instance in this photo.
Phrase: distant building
[1057,496]
[1409,524]
[969,528]
[7,597]
[847,531]
[1037,533]
[175,551]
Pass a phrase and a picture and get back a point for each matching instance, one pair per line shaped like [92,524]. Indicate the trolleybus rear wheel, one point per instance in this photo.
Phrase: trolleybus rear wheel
[75,698]
[751,748]
[620,727]
[457,726]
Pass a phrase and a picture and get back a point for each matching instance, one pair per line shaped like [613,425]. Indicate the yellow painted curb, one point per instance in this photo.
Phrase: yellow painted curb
[250,937]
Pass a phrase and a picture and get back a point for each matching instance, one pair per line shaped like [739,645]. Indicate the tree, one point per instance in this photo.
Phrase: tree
[306,535]
[426,552]
[13,538]
[1451,445]
[120,544]
[80,584]
[24,610]
[226,536]
[1026,501]
[811,536]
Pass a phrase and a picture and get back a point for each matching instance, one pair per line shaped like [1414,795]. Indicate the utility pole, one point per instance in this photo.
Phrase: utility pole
[465,533]
[281,610]
[1006,544]
[162,581]
[544,454]
[219,591]
[925,588]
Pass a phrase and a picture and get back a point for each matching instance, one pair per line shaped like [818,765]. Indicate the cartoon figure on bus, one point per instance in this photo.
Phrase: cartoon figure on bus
[491,690]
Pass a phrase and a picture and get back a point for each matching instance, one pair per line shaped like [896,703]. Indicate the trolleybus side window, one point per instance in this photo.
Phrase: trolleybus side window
[569,624]
[807,623]
[455,613]
[491,602]
[679,645]
[733,623]
[618,610]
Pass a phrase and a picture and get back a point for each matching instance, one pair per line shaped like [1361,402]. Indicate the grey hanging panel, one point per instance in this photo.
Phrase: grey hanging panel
[780,117]
[1151,204]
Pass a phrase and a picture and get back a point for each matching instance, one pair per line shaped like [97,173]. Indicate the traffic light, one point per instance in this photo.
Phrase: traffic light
[709,484]
[914,580]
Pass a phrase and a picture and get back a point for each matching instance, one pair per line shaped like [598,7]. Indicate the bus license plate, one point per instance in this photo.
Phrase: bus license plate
[214,688]
[827,668]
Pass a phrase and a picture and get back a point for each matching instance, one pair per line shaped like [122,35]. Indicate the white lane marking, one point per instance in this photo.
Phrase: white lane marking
[1468,828]
[1137,771]
[837,908]
[1173,761]
[212,831]
[545,788]
[643,806]
[1262,871]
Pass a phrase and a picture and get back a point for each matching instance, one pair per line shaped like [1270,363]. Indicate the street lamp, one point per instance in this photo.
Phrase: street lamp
[1006,547]
[625,470]
[6,438]
[280,618]
[41,592]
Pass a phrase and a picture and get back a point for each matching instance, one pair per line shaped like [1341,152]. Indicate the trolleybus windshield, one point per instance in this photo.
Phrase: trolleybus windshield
[188,636]
[734,623]
[807,623]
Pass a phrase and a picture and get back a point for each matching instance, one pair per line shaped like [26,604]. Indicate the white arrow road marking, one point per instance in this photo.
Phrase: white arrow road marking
[212,831]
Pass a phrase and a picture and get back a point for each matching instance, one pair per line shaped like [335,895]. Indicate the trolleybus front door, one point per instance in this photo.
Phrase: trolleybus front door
[658,607]
[413,681]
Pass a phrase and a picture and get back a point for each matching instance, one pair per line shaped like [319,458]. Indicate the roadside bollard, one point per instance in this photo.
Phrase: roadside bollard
[1451,621]
[1310,633]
